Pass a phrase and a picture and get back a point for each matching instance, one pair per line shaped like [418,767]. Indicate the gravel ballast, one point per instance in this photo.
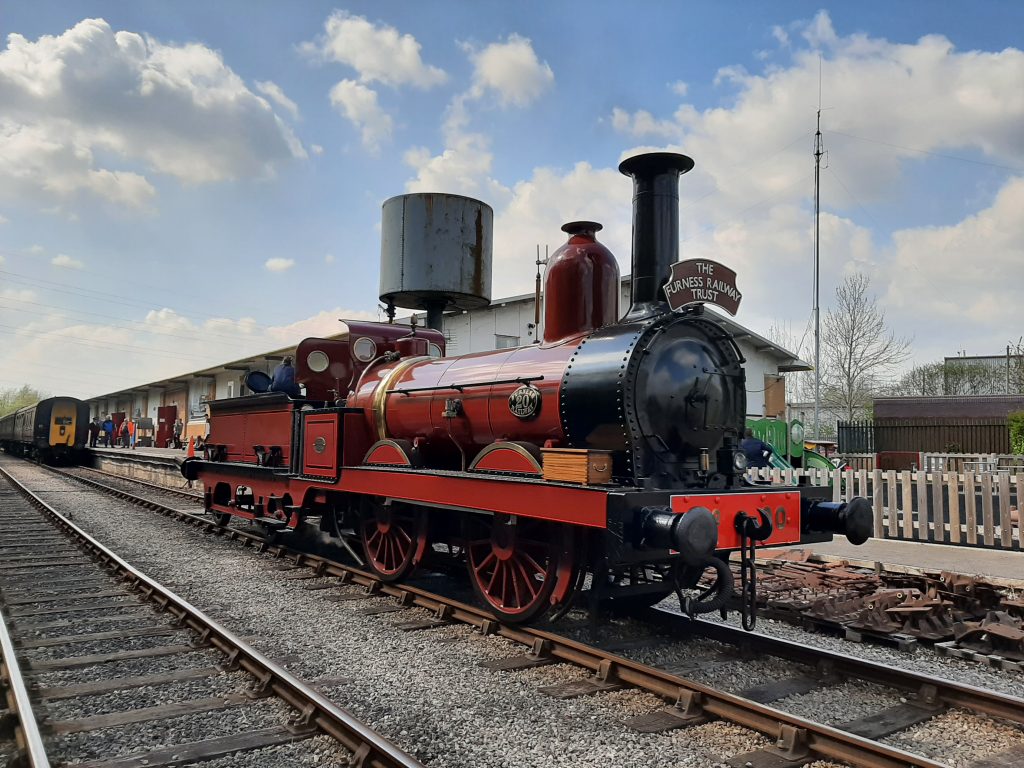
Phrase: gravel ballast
[425,690]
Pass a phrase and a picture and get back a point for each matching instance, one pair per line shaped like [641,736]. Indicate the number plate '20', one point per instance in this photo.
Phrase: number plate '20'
[784,507]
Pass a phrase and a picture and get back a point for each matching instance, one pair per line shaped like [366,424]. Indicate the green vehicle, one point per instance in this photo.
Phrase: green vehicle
[788,441]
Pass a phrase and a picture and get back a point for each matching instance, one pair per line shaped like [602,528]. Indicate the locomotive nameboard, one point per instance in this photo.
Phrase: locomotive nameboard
[702,281]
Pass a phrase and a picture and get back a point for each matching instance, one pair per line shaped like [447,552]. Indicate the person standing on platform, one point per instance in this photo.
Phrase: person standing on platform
[284,379]
[108,432]
[132,426]
[178,427]
[122,438]
[757,451]
[94,432]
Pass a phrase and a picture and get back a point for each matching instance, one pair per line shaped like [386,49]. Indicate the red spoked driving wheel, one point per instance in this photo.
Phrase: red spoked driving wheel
[394,539]
[514,564]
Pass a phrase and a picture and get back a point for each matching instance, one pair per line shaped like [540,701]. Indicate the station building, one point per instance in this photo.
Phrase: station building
[508,322]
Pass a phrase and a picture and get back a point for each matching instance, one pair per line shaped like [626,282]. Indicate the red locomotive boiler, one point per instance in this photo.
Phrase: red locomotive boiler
[609,448]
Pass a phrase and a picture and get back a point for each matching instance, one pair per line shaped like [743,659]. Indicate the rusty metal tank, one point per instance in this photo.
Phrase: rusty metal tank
[581,285]
[436,252]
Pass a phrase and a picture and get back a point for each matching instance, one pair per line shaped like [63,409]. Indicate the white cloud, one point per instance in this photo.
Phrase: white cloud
[36,249]
[464,168]
[37,162]
[316,149]
[273,92]
[378,52]
[679,88]
[79,103]
[17,294]
[537,208]
[278,264]
[642,124]
[328,258]
[66,262]
[158,345]
[511,70]
[946,272]
[3,220]
[924,95]
[359,105]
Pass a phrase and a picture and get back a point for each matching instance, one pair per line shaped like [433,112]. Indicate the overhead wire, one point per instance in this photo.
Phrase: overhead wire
[108,298]
[929,152]
[133,325]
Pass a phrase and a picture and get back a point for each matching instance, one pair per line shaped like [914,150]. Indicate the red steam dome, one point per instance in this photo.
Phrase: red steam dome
[581,285]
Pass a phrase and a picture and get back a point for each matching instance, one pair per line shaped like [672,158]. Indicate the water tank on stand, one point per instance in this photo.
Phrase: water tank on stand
[435,253]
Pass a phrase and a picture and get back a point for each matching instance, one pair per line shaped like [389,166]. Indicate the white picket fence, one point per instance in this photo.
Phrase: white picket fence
[972,508]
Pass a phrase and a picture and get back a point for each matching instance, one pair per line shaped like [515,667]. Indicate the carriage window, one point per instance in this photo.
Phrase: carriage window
[63,421]
[364,349]
[505,342]
[317,361]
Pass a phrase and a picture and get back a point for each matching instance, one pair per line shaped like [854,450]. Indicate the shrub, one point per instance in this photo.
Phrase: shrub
[1015,422]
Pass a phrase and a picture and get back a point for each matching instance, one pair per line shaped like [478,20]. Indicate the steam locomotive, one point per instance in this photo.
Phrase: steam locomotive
[601,462]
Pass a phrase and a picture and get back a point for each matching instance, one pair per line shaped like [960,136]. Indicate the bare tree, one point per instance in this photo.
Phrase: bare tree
[799,384]
[857,349]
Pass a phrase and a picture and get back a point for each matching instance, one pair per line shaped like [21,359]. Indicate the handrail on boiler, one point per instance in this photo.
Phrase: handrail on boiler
[460,387]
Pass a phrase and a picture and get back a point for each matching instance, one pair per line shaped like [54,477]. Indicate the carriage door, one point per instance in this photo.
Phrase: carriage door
[321,433]
[62,422]
[165,416]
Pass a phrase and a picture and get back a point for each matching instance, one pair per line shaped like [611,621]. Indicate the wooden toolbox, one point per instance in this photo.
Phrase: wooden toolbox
[574,465]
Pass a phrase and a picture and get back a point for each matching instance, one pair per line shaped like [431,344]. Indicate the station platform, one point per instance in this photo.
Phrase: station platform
[1001,567]
[160,453]
[161,466]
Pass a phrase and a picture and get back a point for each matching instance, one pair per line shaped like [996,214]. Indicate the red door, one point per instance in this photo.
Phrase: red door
[118,419]
[165,416]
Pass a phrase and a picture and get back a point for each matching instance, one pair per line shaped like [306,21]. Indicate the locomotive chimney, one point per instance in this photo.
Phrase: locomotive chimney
[655,227]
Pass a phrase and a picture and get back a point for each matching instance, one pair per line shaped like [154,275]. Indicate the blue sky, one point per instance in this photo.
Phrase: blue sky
[183,183]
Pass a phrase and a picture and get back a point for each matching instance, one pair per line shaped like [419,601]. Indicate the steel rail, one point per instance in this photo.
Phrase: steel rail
[163,489]
[822,740]
[29,739]
[948,692]
[368,746]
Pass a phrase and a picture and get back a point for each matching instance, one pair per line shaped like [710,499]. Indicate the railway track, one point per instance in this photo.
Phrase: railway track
[797,740]
[71,608]
[20,738]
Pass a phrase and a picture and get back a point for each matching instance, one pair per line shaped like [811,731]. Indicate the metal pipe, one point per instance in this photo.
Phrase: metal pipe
[655,227]
[435,314]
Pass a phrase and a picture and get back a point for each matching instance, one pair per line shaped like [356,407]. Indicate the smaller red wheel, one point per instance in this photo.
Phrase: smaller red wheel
[513,564]
[394,539]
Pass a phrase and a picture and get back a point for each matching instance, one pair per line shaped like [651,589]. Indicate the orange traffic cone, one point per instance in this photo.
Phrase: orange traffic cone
[191,448]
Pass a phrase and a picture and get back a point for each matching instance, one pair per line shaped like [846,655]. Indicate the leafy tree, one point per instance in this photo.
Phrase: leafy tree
[1016,368]
[922,380]
[857,348]
[1016,423]
[951,377]
[14,398]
